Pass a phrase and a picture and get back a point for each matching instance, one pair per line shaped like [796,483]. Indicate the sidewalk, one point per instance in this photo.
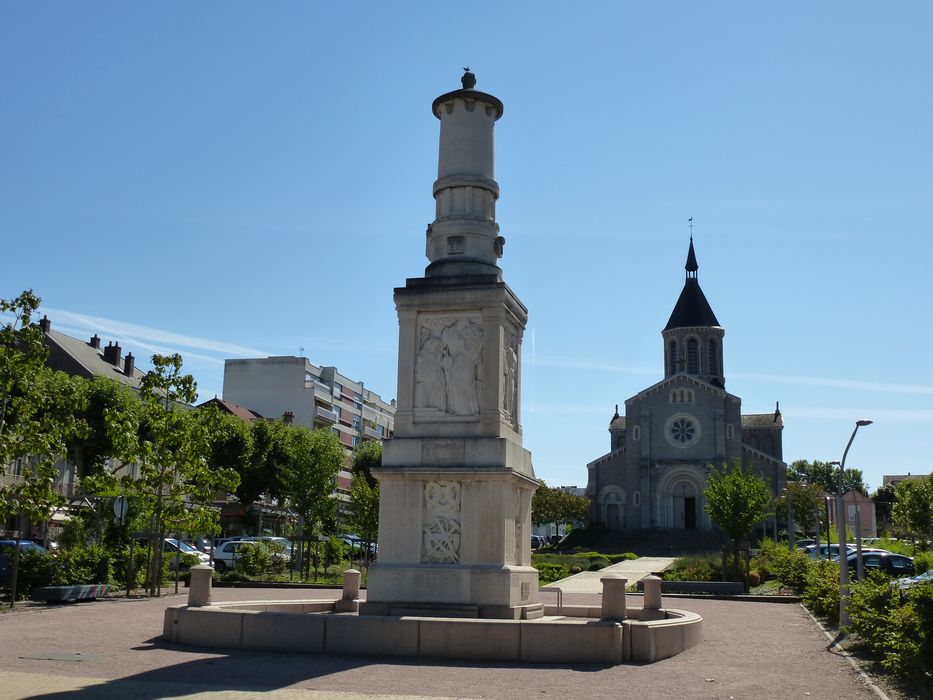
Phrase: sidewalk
[634,570]
[113,649]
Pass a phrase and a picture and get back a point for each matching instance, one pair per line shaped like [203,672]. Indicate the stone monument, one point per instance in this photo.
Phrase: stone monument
[455,482]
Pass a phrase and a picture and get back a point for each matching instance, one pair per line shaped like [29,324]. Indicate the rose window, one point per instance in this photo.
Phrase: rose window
[682,430]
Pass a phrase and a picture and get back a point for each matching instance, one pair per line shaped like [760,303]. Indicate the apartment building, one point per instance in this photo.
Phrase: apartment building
[294,389]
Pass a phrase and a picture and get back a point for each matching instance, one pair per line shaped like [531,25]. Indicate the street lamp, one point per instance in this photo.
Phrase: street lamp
[841,525]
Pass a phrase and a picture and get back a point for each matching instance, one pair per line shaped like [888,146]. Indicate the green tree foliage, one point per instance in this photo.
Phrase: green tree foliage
[39,412]
[552,505]
[737,500]
[883,498]
[364,491]
[92,451]
[232,447]
[806,501]
[169,443]
[366,457]
[913,507]
[310,476]
[826,476]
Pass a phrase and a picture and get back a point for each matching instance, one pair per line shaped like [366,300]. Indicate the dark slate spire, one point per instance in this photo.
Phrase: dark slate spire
[691,265]
[692,309]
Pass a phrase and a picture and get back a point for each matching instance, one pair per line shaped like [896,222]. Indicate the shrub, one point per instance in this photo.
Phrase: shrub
[35,569]
[84,565]
[625,556]
[923,561]
[260,560]
[548,573]
[697,568]
[754,579]
[821,593]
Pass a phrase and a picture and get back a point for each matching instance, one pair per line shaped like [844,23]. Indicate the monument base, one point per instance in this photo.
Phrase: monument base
[451,590]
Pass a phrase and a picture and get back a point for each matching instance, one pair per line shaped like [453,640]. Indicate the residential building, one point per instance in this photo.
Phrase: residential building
[316,397]
[661,451]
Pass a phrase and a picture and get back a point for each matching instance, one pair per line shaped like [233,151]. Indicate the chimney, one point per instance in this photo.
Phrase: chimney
[288,418]
[128,364]
[94,342]
[45,324]
[112,354]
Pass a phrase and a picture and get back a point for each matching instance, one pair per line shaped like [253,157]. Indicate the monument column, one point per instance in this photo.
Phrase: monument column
[456,483]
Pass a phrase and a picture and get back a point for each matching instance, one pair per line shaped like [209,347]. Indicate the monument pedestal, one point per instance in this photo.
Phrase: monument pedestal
[455,481]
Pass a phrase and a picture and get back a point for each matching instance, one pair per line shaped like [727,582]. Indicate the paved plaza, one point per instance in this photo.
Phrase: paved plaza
[112,649]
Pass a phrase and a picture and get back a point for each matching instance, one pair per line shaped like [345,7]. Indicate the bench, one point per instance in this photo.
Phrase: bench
[61,594]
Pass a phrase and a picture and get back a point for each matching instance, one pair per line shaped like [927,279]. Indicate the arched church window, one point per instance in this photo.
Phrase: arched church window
[693,358]
[713,358]
[672,357]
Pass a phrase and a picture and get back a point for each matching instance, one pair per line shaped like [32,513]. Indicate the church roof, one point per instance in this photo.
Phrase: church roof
[617,423]
[691,309]
[762,420]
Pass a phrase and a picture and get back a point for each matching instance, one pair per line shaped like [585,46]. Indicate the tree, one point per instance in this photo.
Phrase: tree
[366,457]
[310,476]
[364,491]
[826,476]
[38,415]
[884,497]
[737,500]
[553,505]
[806,501]
[913,507]
[169,443]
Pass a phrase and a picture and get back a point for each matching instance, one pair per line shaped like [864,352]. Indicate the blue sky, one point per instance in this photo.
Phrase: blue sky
[240,179]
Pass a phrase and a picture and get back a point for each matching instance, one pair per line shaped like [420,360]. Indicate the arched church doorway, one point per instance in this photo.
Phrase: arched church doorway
[685,506]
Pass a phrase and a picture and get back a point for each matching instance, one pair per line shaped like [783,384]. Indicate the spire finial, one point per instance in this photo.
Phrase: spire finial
[691,267]
[468,80]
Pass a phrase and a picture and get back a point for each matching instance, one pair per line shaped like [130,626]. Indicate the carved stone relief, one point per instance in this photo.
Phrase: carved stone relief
[441,523]
[510,376]
[448,367]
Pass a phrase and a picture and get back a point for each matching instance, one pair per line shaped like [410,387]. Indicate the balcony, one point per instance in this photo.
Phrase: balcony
[373,434]
[325,415]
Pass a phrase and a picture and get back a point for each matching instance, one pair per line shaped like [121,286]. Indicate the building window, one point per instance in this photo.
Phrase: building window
[636,498]
[683,430]
[713,358]
[682,396]
[693,359]
[672,357]
[730,431]
[636,433]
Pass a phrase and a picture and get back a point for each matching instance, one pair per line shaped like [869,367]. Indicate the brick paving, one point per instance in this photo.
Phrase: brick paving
[112,649]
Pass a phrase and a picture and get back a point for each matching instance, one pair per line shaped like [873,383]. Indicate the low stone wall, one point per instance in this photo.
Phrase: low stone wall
[292,627]
[609,634]
[714,587]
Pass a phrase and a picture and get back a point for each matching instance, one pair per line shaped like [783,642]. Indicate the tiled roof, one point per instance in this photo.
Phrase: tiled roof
[236,409]
[762,420]
[91,359]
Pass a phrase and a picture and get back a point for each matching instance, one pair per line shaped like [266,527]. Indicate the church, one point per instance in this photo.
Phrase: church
[675,431]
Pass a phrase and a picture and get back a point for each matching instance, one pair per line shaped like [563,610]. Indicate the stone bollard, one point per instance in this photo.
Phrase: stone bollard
[350,600]
[652,609]
[614,597]
[199,587]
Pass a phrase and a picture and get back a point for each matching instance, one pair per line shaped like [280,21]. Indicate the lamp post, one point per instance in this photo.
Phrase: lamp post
[841,524]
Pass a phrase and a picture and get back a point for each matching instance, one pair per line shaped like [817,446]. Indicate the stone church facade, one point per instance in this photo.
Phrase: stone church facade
[675,431]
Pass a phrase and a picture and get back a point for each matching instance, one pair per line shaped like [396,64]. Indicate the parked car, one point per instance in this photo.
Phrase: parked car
[7,550]
[911,581]
[171,545]
[888,562]
[536,541]
[225,556]
[282,542]
[820,551]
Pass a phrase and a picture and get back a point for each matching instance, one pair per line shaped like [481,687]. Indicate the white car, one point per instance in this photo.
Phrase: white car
[171,545]
[225,555]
